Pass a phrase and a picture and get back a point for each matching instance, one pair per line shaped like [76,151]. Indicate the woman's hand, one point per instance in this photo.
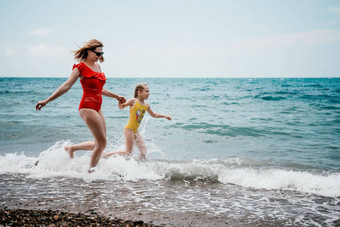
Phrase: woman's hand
[61,90]
[121,99]
[40,105]
[168,117]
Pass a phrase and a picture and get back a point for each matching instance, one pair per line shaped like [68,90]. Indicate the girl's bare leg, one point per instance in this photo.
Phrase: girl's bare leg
[96,123]
[141,146]
[129,138]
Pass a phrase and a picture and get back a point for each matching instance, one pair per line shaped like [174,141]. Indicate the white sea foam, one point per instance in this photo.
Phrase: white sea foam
[55,162]
[326,185]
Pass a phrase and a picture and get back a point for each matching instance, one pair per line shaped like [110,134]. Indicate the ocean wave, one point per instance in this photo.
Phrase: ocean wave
[6,92]
[55,162]
[270,97]
[222,130]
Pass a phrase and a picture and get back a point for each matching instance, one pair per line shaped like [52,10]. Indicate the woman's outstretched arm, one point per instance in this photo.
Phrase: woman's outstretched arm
[61,90]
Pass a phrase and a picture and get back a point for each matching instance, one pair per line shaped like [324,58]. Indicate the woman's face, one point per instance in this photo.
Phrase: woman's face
[95,54]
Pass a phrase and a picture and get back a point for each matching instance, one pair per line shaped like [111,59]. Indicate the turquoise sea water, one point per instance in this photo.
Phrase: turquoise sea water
[262,135]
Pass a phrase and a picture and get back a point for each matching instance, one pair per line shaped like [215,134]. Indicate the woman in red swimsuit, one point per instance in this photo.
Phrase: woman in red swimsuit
[92,80]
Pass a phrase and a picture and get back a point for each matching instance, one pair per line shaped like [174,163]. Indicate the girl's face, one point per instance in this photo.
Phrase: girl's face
[95,54]
[144,94]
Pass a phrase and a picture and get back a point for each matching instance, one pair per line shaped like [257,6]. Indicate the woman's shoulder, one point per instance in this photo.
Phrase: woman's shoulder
[88,72]
[79,66]
[98,66]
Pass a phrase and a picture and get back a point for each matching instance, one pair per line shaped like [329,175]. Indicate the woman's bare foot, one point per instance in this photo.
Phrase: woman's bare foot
[69,150]
[106,155]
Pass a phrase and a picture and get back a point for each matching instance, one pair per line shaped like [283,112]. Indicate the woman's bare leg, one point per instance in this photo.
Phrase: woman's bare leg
[95,123]
[129,138]
[141,146]
[103,120]
[84,146]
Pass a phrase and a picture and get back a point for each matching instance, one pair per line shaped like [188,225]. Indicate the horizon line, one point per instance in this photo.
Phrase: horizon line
[198,77]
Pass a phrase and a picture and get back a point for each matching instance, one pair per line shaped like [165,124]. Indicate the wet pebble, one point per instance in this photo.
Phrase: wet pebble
[21,217]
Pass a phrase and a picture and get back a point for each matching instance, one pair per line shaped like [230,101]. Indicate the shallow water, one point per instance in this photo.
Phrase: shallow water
[171,201]
[240,151]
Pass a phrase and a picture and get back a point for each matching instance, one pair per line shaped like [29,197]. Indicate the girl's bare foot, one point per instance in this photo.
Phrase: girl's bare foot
[142,157]
[69,150]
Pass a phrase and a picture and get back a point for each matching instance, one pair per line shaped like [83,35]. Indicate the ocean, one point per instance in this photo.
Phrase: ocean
[238,152]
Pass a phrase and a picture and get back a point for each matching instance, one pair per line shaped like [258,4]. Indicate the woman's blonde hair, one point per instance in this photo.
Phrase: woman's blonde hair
[139,87]
[81,54]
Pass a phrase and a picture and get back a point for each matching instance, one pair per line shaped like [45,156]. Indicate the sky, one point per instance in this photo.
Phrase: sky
[174,38]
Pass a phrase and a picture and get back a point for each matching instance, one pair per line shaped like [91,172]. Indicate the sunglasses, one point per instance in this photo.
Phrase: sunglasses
[98,53]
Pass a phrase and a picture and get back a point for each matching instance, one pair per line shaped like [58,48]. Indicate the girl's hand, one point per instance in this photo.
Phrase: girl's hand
[40,105]
[168,117]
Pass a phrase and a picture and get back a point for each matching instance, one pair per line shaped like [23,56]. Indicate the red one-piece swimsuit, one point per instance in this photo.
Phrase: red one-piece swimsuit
[92,83]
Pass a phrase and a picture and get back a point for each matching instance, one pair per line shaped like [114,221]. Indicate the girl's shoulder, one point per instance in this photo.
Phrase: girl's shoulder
[146,104]
[131,101]
[143,104]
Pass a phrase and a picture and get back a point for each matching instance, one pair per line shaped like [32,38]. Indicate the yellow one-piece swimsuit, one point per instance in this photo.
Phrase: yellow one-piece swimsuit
[136,116]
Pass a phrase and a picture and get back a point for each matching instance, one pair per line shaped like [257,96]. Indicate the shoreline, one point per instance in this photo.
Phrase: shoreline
[26,217]
[36,217]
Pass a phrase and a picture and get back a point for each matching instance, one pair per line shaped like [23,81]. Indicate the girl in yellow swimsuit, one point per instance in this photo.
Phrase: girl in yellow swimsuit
[137,110]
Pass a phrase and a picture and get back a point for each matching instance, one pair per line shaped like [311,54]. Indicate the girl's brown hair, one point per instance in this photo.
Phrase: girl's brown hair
[139,87]
[81,54]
